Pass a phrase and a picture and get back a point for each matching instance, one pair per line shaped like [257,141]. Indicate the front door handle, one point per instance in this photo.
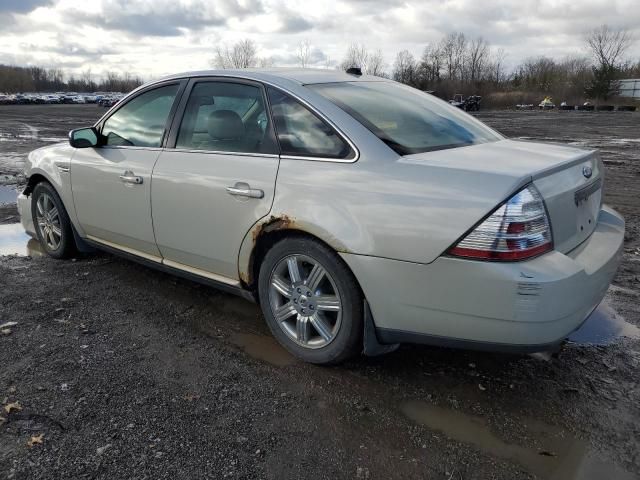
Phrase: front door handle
[129,177]
[241,189]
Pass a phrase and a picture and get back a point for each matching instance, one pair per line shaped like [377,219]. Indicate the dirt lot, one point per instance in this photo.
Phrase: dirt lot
[114,370]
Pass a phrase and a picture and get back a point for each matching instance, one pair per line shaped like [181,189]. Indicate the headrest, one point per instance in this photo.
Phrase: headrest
[225,125]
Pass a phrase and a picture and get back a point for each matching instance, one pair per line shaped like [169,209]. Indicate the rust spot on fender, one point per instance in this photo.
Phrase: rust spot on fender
[244,278]
[272,224]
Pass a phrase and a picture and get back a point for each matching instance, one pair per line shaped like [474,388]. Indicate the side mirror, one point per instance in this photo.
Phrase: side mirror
[84,138]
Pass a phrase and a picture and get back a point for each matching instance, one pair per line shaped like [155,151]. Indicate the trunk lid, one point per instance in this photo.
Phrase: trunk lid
[573,197]
[569,179]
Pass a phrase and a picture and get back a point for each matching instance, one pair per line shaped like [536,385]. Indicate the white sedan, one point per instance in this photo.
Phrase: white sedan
[359,212]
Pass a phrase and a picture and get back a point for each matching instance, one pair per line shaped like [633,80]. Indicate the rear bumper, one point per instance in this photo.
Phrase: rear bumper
[519,307]
[24,209]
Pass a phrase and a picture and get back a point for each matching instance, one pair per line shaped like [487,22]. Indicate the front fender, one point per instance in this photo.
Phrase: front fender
[53,163]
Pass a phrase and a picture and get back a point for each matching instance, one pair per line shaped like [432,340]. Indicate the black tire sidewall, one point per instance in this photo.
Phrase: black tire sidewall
[67,243]
[348,341]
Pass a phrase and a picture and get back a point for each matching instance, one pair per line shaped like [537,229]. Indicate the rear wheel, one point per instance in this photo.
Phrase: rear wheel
[51,222]
[311,301]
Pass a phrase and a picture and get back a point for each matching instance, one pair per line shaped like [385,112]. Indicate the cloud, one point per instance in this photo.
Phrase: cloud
[165,18]
[155,37]
[22,6]
[294,23]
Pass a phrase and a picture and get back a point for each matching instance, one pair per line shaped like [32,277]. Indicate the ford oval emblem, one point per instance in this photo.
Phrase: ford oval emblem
[587,171]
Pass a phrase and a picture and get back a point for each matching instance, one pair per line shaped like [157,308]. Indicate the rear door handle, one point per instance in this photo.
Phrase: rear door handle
[241,189]
[129,177]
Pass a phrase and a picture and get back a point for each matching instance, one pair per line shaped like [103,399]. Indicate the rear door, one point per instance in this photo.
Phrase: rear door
[111,184]
[219,178]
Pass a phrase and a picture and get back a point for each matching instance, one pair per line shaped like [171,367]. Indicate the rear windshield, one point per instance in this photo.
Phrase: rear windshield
[406,119]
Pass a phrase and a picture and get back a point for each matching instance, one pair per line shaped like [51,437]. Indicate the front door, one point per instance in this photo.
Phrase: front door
[111,184]
[218,180]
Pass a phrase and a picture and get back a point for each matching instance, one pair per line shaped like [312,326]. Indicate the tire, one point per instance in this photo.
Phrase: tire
[48,226]
[321,319]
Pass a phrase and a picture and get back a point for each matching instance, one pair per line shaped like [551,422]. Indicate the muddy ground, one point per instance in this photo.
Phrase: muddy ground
[114,370]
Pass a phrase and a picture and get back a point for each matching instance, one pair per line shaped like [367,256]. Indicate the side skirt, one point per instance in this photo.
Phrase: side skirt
[241,292]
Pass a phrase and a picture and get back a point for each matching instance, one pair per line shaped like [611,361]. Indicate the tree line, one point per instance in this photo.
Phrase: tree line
[14,79]
[455,64]
[459,64]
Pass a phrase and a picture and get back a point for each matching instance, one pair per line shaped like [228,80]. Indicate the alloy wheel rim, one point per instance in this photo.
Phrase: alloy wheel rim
[305,301]
[48,219]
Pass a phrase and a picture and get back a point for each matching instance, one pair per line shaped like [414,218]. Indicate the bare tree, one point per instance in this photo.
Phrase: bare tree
[375,64]
[242,54]
[303,53]
[608,46]
[356,56]
[478,52]
[431,64]
[265,62]
[453,51]
[496,66]
[404,68]
[371,63]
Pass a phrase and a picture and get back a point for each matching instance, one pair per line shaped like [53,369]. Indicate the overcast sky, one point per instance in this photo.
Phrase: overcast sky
[156,37]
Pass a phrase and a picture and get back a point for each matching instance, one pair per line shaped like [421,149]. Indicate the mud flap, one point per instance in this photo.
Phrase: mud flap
[371,346]
[81,245]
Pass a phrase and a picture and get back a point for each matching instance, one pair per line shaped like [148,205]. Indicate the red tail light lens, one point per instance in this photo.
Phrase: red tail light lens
[517,230]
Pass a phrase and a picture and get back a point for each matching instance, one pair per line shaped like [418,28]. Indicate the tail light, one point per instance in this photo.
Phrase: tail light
[517,230]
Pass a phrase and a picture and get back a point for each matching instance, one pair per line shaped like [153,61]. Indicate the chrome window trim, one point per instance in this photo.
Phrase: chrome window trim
[131,147]
[340,133]
[319,159]
[147,86]
[271,84]
[222,152]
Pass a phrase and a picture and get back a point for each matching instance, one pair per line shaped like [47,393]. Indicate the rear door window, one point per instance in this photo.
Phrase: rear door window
[302,133]
[226,117]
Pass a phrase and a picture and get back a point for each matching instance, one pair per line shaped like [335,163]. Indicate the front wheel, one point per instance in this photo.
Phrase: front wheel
[311,301]
[52,223]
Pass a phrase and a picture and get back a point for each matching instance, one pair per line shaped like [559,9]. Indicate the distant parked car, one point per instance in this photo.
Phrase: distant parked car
[108,101]
[51,99]
[357,211]
[468,104]
[546,104]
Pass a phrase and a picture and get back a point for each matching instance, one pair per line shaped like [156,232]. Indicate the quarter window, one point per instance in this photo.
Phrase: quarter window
[226,117]
[302,133]
[141,122]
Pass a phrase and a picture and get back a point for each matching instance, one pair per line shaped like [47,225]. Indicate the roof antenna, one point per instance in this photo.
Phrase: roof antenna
[354,71]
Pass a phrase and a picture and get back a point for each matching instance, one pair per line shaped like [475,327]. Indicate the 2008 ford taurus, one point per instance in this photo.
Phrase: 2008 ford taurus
[359,212]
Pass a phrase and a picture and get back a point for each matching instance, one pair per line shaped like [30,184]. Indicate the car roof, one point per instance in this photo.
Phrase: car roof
[303,76]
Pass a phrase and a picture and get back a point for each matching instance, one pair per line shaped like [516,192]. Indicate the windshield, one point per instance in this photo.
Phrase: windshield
[406,119]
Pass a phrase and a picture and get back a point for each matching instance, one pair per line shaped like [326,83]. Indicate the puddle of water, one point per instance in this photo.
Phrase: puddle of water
[603,327]
[560,456]
[8,194]
[15,241]
[264,348]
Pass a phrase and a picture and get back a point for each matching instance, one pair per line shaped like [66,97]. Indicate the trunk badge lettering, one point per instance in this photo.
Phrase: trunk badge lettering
[587,171]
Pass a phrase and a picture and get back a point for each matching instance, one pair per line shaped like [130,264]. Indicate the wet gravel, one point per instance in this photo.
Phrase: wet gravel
[112,370]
